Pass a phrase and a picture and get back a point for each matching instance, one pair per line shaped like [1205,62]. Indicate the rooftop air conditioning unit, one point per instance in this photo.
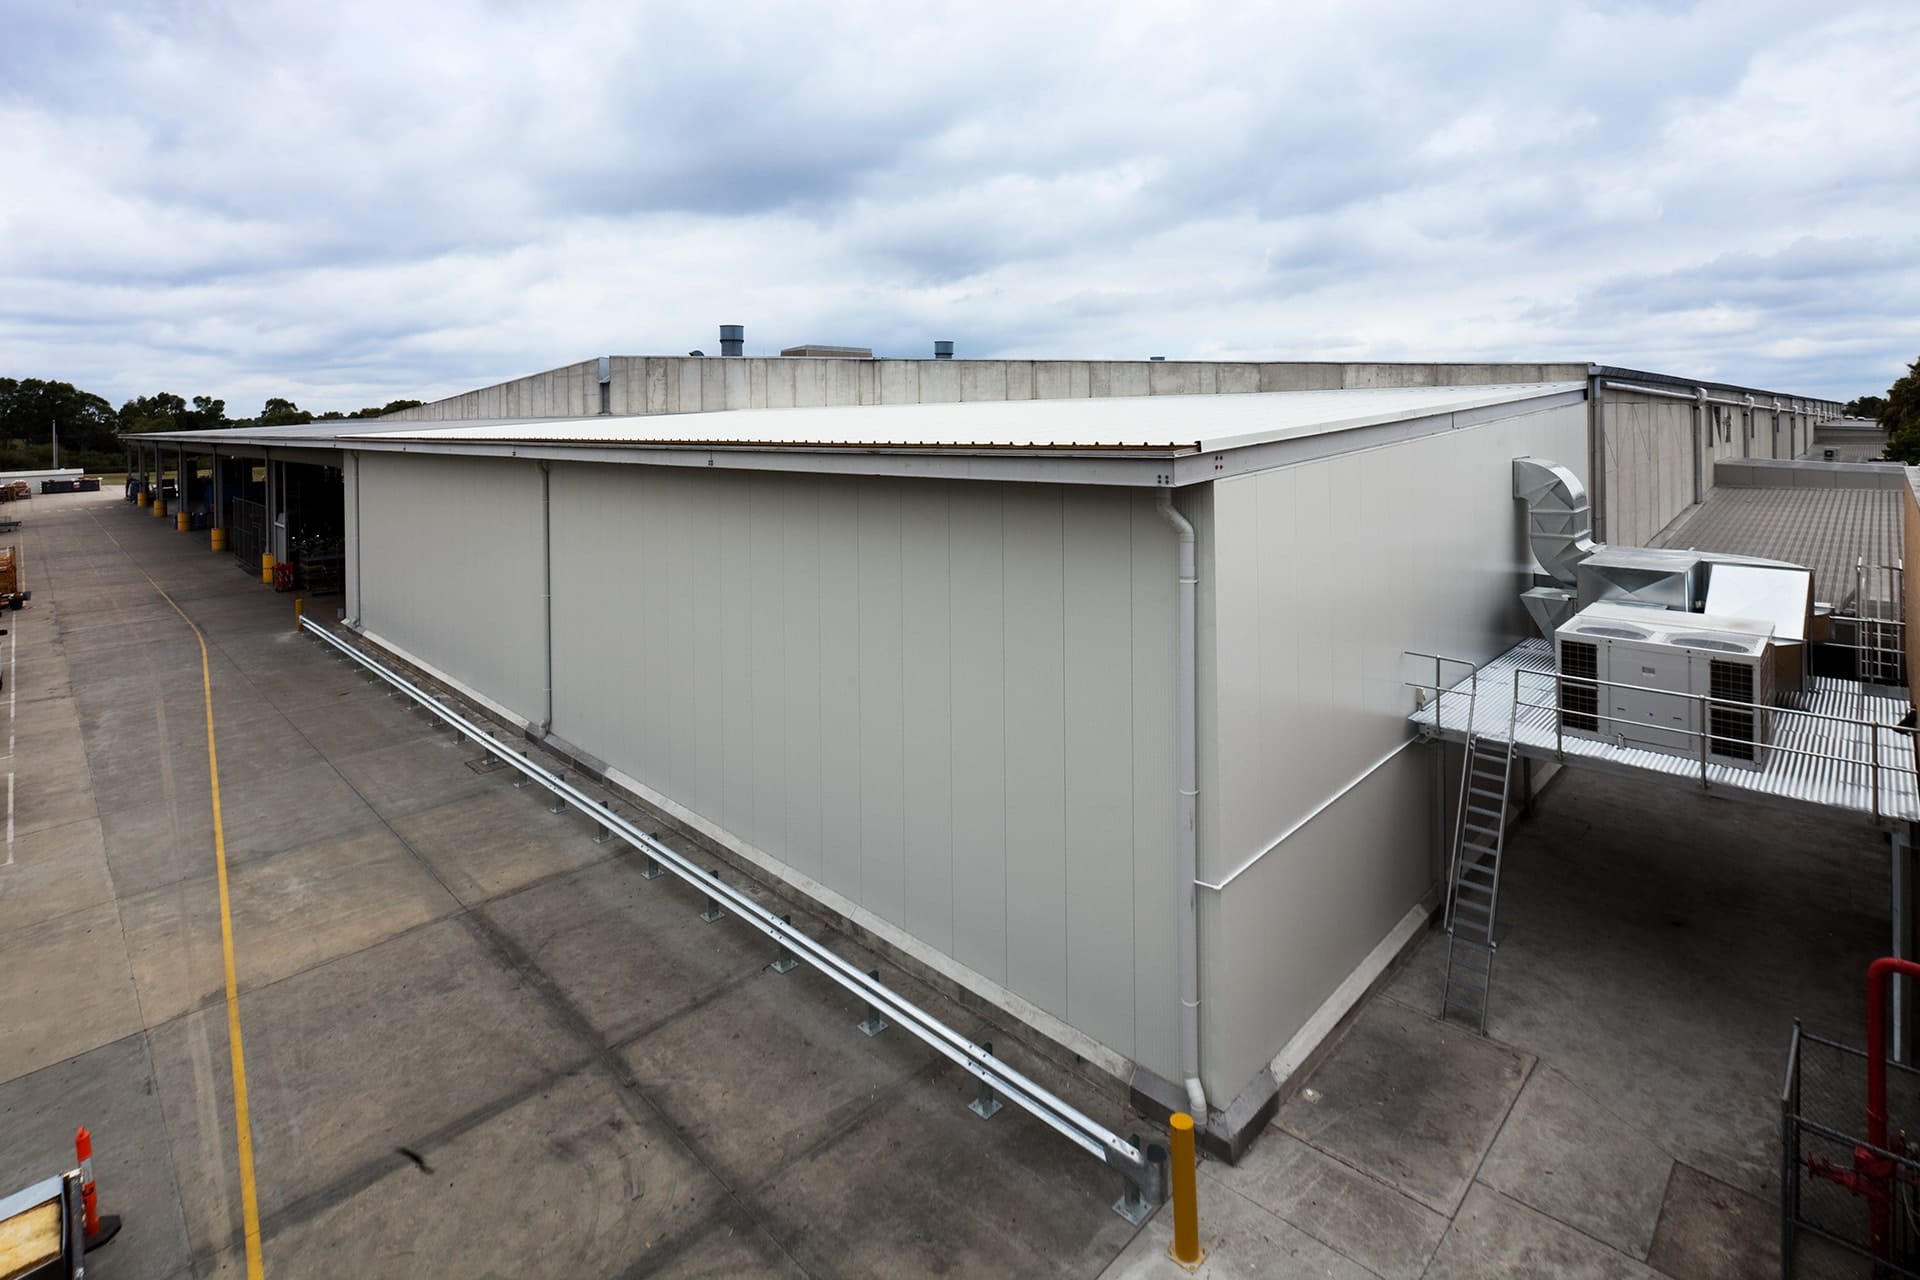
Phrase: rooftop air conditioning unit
[1660,680]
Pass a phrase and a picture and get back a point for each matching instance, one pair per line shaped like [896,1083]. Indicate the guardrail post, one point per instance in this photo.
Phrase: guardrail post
[713,911]
[984,1104]
[653,869]
[1706,719]
[873,1024]
[785,962]
[1145,1189]
[602,833]
[1874,737]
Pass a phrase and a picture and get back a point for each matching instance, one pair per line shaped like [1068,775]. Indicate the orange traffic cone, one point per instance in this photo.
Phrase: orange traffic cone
[98,1230]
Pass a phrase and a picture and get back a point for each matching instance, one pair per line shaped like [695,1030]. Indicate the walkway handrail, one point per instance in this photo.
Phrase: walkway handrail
[1706,704]
[1142,1174]
[1471,680]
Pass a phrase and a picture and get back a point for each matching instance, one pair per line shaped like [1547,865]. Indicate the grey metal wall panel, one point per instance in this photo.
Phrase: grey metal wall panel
[1034,622]
[1320,576]
[350,524]
[926,631]
[1649,465]
[840,687]
[1098,712]
[766,642]
[950,703]
[451,552]
[1156,960]
[882,718]
[977,559]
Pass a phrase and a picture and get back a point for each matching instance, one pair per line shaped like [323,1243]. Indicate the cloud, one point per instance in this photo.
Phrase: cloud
[352,202]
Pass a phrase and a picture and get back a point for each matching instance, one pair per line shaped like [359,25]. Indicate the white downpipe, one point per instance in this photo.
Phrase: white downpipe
[546,585]
[1186,751]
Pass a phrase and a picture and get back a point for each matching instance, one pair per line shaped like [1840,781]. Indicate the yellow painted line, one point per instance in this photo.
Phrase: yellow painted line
[243,1126]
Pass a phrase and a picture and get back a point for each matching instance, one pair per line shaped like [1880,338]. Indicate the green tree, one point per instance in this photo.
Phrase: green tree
[392,406]
[206,414]
[30,410]
[1901,417]
[158,412]
[283,413]
[1869,407]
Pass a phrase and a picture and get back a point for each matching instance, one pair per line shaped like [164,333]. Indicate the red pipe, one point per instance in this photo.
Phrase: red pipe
[1879,978]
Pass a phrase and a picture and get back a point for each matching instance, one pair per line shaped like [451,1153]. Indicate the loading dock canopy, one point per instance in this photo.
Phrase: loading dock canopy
[1140,440]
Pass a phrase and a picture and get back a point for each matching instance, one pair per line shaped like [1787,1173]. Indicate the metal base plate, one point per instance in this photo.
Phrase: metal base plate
[871,1026]
[987,1110]
[1134,1211]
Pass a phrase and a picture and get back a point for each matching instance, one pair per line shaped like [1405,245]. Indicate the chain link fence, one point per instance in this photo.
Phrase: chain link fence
[247,532]
[1826,1203]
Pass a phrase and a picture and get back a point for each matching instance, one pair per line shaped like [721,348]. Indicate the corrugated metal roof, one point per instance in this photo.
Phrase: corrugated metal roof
[1823,759]
[1128,423]
[1825,529]
[1121,424]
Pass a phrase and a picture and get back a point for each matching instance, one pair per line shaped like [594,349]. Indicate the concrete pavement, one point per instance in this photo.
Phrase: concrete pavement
[478,1043]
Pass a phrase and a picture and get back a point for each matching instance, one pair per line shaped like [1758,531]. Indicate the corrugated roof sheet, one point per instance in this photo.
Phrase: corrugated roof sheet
[1119,424]
[1827,530]
[1159,423]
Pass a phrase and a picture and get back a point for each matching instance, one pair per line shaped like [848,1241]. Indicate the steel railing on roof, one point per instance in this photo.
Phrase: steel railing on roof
[1869,759]
[1142,1170]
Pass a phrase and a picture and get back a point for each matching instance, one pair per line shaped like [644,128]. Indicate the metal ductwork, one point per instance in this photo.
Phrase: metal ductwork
[733,339]
[1560,531]
[943,348]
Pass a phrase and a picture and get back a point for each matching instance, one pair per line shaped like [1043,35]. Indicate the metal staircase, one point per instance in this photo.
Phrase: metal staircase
[1473,889]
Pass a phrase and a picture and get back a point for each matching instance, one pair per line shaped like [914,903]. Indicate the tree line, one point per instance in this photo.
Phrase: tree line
[89,426]
[1899,412]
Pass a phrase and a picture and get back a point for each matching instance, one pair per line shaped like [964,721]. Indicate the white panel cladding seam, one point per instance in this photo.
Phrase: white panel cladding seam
[1322,574]
[440,539]
[915,711]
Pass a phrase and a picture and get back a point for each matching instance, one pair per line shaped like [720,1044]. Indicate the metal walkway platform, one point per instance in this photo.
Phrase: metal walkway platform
[1836,745]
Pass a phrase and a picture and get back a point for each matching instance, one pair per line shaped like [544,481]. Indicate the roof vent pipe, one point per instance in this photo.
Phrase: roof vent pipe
[733,338]
[943,348]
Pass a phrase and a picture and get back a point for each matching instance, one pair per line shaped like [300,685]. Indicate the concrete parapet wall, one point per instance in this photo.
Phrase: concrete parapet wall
[1769,473]
[682,384]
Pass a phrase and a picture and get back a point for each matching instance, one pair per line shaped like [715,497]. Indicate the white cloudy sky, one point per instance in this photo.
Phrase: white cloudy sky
[348,202]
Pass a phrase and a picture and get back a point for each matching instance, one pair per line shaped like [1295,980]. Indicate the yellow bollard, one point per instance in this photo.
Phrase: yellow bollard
[266,567]
[183,522]
[159,507]
[219,539]
[299,607]
[1185,1248]
[143,499]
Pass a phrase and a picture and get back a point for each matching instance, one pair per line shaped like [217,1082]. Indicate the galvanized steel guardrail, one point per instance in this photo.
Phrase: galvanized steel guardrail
[1144,1171]
[1871,764]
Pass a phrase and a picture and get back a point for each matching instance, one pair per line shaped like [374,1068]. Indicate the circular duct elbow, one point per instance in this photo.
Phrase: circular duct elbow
[1559,521]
